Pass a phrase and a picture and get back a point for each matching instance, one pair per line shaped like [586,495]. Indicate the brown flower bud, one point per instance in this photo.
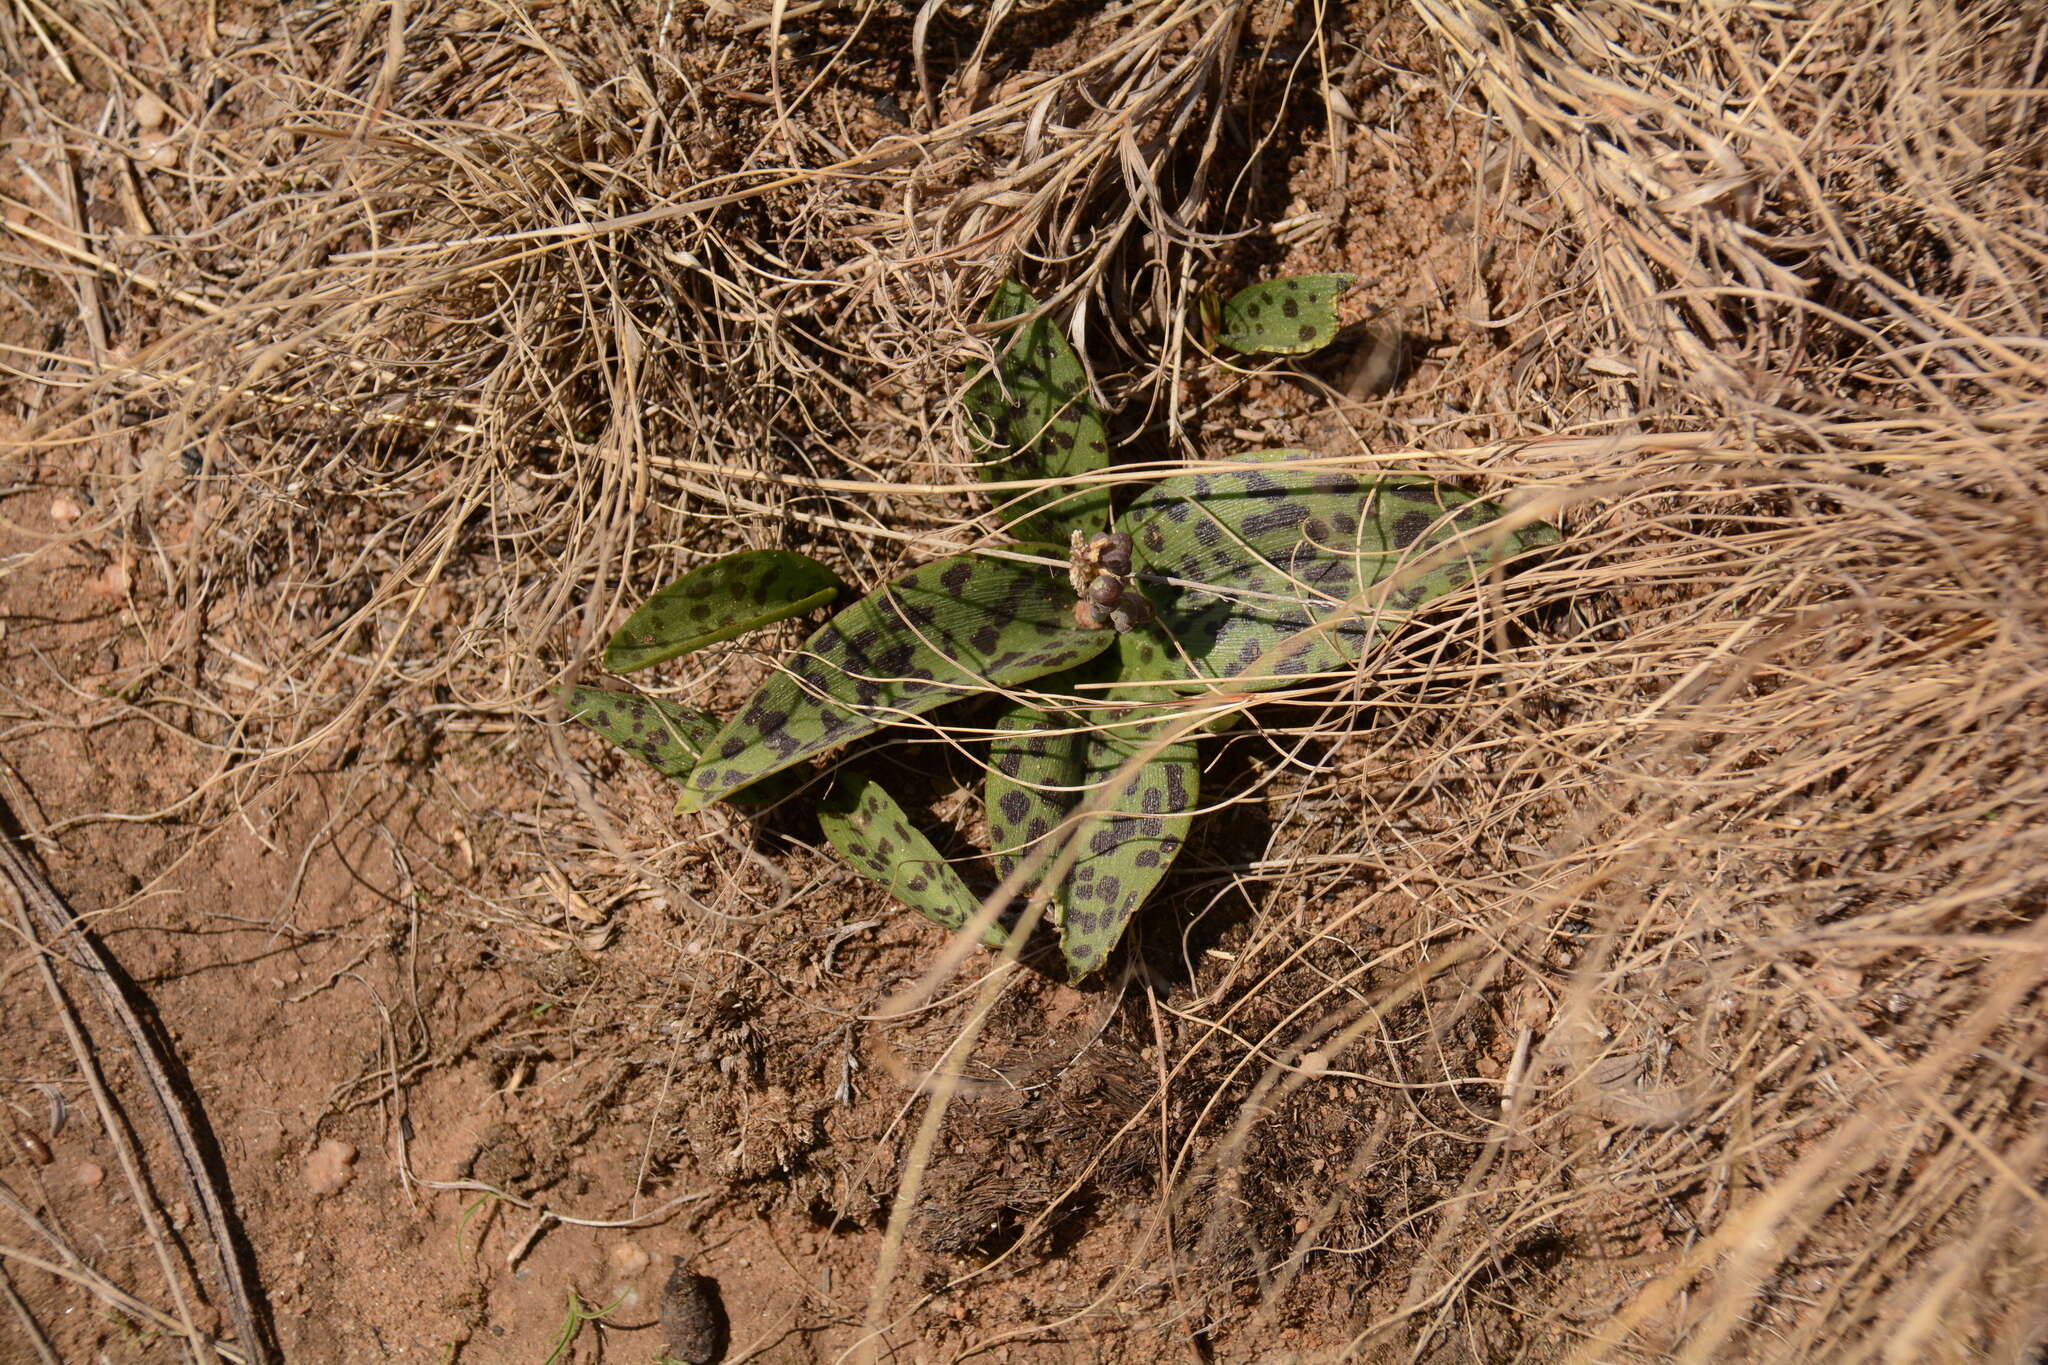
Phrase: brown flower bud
[1089,616]
[1130,613]
[1115,553]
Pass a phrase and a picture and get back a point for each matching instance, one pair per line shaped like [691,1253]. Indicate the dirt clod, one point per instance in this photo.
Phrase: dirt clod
[330,1167]
[113,581]
[503,1159]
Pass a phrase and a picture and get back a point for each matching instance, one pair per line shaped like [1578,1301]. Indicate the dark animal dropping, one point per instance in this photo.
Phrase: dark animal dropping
[692,1318]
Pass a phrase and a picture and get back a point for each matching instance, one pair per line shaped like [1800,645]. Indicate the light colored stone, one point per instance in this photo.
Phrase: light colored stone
[628,1260]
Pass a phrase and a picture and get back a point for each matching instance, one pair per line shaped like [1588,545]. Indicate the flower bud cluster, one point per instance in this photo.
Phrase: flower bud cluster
[1100,569]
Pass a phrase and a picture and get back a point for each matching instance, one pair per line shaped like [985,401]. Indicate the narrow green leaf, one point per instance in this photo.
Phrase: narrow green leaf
[720,601]
[1034,776]
[1288,316]
[869,829]
[1044,768]
[1289,557]
[664,736]
[1031,417]
[1130,841]
[949,629]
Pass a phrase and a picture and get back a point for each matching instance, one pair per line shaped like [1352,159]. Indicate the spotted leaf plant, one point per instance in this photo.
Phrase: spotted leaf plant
[1109,642]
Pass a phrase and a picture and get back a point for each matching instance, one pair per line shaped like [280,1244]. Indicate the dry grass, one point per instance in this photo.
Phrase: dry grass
[1644,960]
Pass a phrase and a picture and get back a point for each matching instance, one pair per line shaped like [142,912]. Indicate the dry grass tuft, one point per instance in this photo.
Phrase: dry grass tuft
[1643,958]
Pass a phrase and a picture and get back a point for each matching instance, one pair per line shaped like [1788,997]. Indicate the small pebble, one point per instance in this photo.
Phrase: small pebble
[330,1167]
[89,1174]
[628,1260]
[692,1318]
[113,581]
[150,113]
[64,509]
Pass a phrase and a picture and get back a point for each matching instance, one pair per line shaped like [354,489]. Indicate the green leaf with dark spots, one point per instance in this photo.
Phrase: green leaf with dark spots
[1289,316]
[1154,689]
[1288,559]
[1030,416]
[665,736]
[868,828]
[1034,775]
[1136,826]
[720,601]
[1055,778]
[954,627]
[1142,666]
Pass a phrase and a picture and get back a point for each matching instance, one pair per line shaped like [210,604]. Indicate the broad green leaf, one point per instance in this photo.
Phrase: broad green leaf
[665,736]
[1152,677]
[720,601]
[1290,557]
[1289,316]
[954,627]
[869,829]
[1031,417]
[1125,858]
